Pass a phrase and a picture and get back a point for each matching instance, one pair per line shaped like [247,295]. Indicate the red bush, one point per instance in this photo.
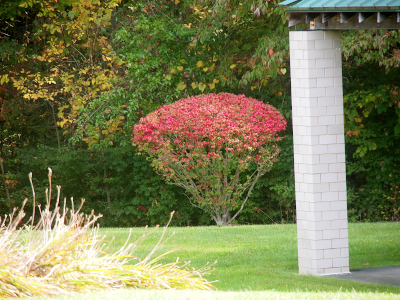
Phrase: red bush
[204,143]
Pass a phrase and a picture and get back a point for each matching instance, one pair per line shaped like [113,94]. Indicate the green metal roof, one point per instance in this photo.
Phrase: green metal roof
[344,14]
[342,4]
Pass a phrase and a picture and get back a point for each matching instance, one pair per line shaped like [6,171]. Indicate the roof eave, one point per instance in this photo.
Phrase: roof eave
[341,9]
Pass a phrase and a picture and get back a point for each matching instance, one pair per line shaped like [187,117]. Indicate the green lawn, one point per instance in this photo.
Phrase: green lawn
[263,259]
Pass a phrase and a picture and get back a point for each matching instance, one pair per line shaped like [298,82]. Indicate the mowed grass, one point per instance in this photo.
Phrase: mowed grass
[263,259]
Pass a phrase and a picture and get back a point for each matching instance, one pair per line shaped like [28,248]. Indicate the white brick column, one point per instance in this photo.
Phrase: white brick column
[319,157]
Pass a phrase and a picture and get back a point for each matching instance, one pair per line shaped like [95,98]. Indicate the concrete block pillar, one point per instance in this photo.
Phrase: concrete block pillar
[319,157]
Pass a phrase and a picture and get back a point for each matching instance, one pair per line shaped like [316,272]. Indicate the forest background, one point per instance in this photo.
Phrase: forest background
[76,75]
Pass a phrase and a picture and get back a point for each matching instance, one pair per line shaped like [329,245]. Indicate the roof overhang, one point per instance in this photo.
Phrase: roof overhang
[344,14]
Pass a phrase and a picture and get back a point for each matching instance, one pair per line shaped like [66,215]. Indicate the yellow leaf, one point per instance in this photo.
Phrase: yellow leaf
[253,87]
[205,69]
[232,66]
[173,71]
[215,80]
[180,68]
[168,77]
[194,85]
[4,79]
[177,1]
[202,86]
[283,71]
[181,86]
[61,123]
[199,64]
[211,86]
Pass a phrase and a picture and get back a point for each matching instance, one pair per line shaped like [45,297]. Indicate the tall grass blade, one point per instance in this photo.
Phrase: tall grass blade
[64,252]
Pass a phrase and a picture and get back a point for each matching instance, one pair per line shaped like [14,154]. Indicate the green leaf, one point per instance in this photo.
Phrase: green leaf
[71,15]
[352,114]
[397,130]
[381,108]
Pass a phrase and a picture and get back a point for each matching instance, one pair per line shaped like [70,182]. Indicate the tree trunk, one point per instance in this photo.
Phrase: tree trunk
[224,219]
[105,172]
[4,178]
[56,126]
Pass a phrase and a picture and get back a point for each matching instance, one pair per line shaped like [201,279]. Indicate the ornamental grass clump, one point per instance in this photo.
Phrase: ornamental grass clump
[63,252]
[214,146]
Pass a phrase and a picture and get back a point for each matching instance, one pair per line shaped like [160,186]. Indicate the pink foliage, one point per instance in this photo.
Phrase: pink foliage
[216,121]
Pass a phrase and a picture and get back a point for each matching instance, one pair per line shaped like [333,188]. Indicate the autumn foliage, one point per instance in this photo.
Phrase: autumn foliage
[215,146]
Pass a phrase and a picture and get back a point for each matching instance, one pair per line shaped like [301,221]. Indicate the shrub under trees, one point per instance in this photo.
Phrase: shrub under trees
[214,146]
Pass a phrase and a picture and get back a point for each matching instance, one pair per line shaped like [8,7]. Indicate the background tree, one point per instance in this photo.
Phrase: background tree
[372,123]
[164,62]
